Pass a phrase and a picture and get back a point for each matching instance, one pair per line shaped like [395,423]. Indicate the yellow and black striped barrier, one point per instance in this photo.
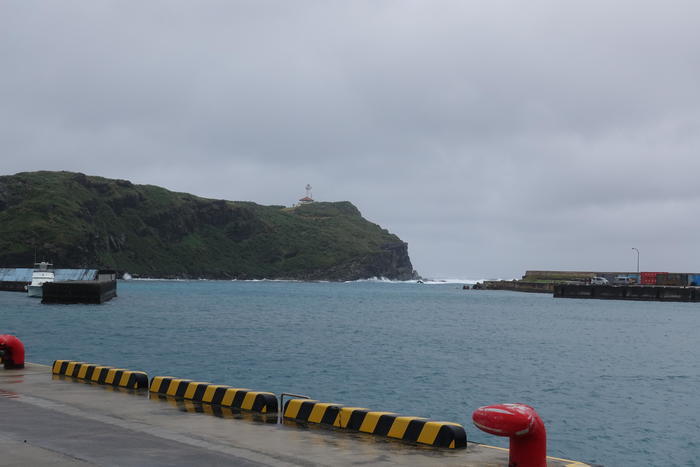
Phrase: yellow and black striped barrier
[216,410]
[410,429]
[215,394]
[101,374]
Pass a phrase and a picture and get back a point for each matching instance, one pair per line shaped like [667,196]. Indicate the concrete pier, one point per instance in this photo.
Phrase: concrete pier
[14,286]
[58,421]
[17,279]
[628,292]
[517,286]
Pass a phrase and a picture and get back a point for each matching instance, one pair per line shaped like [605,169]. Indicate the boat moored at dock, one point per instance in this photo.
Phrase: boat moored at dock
[43,273]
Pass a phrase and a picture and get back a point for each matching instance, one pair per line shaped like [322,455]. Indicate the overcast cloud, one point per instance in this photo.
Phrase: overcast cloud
[492,136]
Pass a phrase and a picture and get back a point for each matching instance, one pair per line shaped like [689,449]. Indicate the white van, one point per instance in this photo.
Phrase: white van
[622,280]
[599,281]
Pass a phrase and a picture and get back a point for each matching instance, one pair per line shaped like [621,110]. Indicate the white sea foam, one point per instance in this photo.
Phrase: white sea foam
[267,280]
[460,281]
[422,281]
[158,279]
[451,281]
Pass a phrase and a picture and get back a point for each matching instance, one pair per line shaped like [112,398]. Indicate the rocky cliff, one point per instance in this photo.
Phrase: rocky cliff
[77,220]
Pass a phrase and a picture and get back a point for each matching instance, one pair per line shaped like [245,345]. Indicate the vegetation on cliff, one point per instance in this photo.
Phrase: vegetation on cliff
[85,221]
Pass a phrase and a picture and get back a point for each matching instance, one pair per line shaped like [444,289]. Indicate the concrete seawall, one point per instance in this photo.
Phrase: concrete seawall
[630,292]
[518,286]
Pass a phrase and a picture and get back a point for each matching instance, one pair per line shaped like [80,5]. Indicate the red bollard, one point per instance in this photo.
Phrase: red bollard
[11,352]
[519,422]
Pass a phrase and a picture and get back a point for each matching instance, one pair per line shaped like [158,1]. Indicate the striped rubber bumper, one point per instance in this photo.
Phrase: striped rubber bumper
[218,411]
[410,429]
[207,393]
[101,374]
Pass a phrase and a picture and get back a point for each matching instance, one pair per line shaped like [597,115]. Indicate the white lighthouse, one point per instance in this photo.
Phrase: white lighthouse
[308,198]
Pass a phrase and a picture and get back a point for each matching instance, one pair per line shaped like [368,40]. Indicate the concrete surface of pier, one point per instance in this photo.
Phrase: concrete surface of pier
[50,420]
[628,292]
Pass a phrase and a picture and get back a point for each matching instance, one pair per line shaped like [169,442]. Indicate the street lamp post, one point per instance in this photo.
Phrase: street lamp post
[637,258]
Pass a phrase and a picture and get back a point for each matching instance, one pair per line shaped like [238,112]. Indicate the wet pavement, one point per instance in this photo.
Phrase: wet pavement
[57,421]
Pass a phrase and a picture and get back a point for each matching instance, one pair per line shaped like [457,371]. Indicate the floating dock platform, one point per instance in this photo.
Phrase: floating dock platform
[56,420]
[79,291]
[97,291]
[628,292]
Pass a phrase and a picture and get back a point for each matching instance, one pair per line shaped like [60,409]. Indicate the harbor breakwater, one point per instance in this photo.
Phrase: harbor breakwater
[516,286]
[646,286]
[631,292]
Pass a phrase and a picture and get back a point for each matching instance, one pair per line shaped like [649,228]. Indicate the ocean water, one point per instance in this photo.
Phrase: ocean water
[617,383]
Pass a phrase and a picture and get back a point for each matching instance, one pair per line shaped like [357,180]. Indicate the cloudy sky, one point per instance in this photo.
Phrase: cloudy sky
[493,136]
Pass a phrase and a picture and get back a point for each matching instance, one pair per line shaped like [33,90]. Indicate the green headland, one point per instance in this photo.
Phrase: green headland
[77,221]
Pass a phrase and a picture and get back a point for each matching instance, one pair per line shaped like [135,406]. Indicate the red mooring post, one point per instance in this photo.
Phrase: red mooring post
[11,352]
[520,423]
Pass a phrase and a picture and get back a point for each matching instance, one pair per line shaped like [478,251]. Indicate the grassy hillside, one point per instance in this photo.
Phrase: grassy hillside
[84,221]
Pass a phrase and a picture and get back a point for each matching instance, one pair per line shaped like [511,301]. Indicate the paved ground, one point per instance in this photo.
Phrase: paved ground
[52,421]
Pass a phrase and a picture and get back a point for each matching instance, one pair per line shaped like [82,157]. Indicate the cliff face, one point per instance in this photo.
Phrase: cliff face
[391,261]
[76,220]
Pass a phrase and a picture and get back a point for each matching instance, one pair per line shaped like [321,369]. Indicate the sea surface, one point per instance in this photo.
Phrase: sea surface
[616,382]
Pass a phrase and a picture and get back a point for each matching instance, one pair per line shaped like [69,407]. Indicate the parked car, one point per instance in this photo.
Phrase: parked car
[599,281]
[623,280]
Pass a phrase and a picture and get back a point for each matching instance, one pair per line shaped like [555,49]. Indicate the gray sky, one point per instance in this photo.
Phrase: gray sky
[492,136]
